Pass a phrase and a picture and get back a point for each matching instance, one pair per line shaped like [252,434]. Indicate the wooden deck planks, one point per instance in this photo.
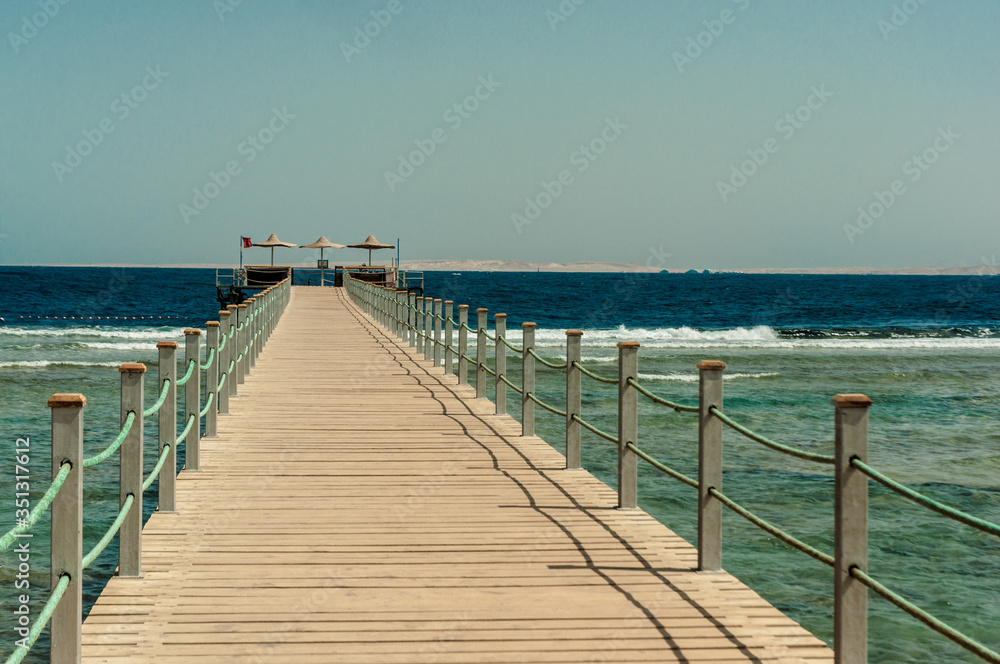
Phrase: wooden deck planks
[360,506]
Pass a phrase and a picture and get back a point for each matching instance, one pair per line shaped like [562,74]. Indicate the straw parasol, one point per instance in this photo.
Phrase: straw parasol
[321,244]
[369,244]
[273,242]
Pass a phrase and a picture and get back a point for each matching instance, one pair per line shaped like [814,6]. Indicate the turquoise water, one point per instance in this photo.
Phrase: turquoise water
[929,363]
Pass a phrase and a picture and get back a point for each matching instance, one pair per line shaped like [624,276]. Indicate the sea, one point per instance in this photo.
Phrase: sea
[926,349]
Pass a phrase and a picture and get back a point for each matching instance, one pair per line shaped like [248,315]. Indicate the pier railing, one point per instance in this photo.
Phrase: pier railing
[244,328]
[421,322]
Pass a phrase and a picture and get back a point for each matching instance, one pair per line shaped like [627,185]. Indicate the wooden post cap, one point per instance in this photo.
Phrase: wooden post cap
[711,365]
[193,331]
[398,290]
[574,333]
[241,306]
[212,323]
[529,325]
[232,306]
[851,401]
[67,401]
[463,306]
[132,367]
[437,299]
[225,312]
[166,344]
[449,302]
[499,315]
[632,344]
[481,310]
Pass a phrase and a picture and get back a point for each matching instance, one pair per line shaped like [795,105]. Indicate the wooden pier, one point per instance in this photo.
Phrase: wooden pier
[358,505]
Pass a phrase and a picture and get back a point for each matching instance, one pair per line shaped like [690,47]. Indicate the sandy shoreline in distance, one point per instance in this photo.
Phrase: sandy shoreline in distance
[584,266]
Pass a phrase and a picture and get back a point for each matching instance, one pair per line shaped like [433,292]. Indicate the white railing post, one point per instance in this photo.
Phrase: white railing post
[241,337]
[709,466]
[130,471]
[527,379]
[251,329]
[212,378]
[628,424]
[418,330]
[449,336]
[850,534]
[481,353]
[234,349]
[437,331]
[67,527]
[463,344]
[192,398]
[411,320]
[167,426]
[429,329]
[227,348]
[500,363]
[573,342]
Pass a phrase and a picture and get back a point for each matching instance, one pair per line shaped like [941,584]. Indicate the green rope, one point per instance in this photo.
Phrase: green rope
[187,376]
[42,620]
[772,529]
[222,381]
[511,385]
[508,344]
[929,503]
[232,363]
[111,532]
[488,370]
[468,359]
[778,447]
[487,335]
[209,359]
[591,374]
[159,402]
[222,345]
[551,409]
[208,404]
[186,431]
[660,400]
[115,444]
[938,626]
[550,365]
[43,504]
[587,425]
[661,467]
[153,474]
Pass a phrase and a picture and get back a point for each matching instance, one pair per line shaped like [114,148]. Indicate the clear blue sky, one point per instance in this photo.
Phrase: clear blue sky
[312,117]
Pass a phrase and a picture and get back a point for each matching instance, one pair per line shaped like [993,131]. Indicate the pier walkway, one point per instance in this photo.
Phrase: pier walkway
[358,505]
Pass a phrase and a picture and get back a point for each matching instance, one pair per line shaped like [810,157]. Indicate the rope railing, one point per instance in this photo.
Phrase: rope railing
[929,503]
[662,467]
[155,472]
[943,628]
[551,365]
[110,533]
[159,402]
[222,343]
[660,400]
[41,621]
[208,404]
[187,376]
[771,529]
[36,513]
[590,374]
[115,444]
[766,442]
[552,409]
[590,427]
[851,430]
[210,358]
[187,429]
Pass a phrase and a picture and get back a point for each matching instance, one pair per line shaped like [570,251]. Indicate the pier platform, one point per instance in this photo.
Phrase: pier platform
[359,506]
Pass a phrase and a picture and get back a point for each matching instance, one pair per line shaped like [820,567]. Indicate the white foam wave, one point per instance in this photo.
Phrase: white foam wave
[100,332]
[41,364]
[693,376]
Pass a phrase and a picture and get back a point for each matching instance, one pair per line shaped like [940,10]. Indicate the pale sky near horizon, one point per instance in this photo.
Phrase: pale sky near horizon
[721,134]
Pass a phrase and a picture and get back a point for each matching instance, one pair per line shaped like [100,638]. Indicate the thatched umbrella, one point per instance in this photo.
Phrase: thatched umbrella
[273,242]
[321,244]
[369,244]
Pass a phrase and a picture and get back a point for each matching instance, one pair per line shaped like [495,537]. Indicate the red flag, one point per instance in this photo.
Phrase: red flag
[247,242]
